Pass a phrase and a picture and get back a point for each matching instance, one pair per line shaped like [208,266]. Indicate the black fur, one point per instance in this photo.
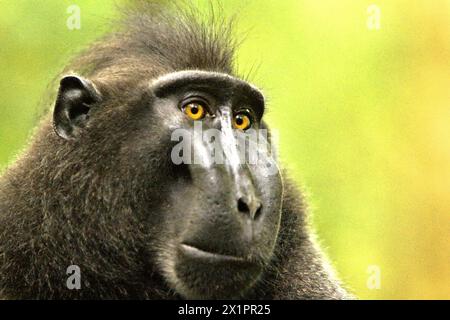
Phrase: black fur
[72,202]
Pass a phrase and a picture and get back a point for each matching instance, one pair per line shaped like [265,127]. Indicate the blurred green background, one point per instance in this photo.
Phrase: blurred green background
[362,111]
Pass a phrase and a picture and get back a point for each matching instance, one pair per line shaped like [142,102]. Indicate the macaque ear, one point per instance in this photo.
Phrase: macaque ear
[74,100]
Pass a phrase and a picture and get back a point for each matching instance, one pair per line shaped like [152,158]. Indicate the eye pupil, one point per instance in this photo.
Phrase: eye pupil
[194,109]
[239,121]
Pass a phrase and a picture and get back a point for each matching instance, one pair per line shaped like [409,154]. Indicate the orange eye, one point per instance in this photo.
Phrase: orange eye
[242,121]
[194,110]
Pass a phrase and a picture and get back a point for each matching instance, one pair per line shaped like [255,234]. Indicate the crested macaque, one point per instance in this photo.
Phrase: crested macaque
[97,187]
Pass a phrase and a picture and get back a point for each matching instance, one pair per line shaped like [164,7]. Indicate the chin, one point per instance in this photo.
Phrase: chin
[198,274]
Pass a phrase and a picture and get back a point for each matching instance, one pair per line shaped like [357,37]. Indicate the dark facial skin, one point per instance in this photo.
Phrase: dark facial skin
[216,223]
[221,220]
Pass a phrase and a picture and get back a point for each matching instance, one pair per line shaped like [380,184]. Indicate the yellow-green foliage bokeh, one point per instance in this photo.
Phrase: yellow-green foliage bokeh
[363,118]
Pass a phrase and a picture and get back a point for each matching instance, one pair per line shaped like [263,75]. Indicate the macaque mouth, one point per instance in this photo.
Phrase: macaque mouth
[196,253]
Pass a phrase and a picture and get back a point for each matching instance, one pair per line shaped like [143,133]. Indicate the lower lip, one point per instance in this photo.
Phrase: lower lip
[194,252]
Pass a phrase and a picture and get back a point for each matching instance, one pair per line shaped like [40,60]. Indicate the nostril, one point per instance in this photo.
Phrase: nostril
[258,211]
[243,206]
[251,208]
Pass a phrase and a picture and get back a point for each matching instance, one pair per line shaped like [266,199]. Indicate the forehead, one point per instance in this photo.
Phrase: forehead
[221,83]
